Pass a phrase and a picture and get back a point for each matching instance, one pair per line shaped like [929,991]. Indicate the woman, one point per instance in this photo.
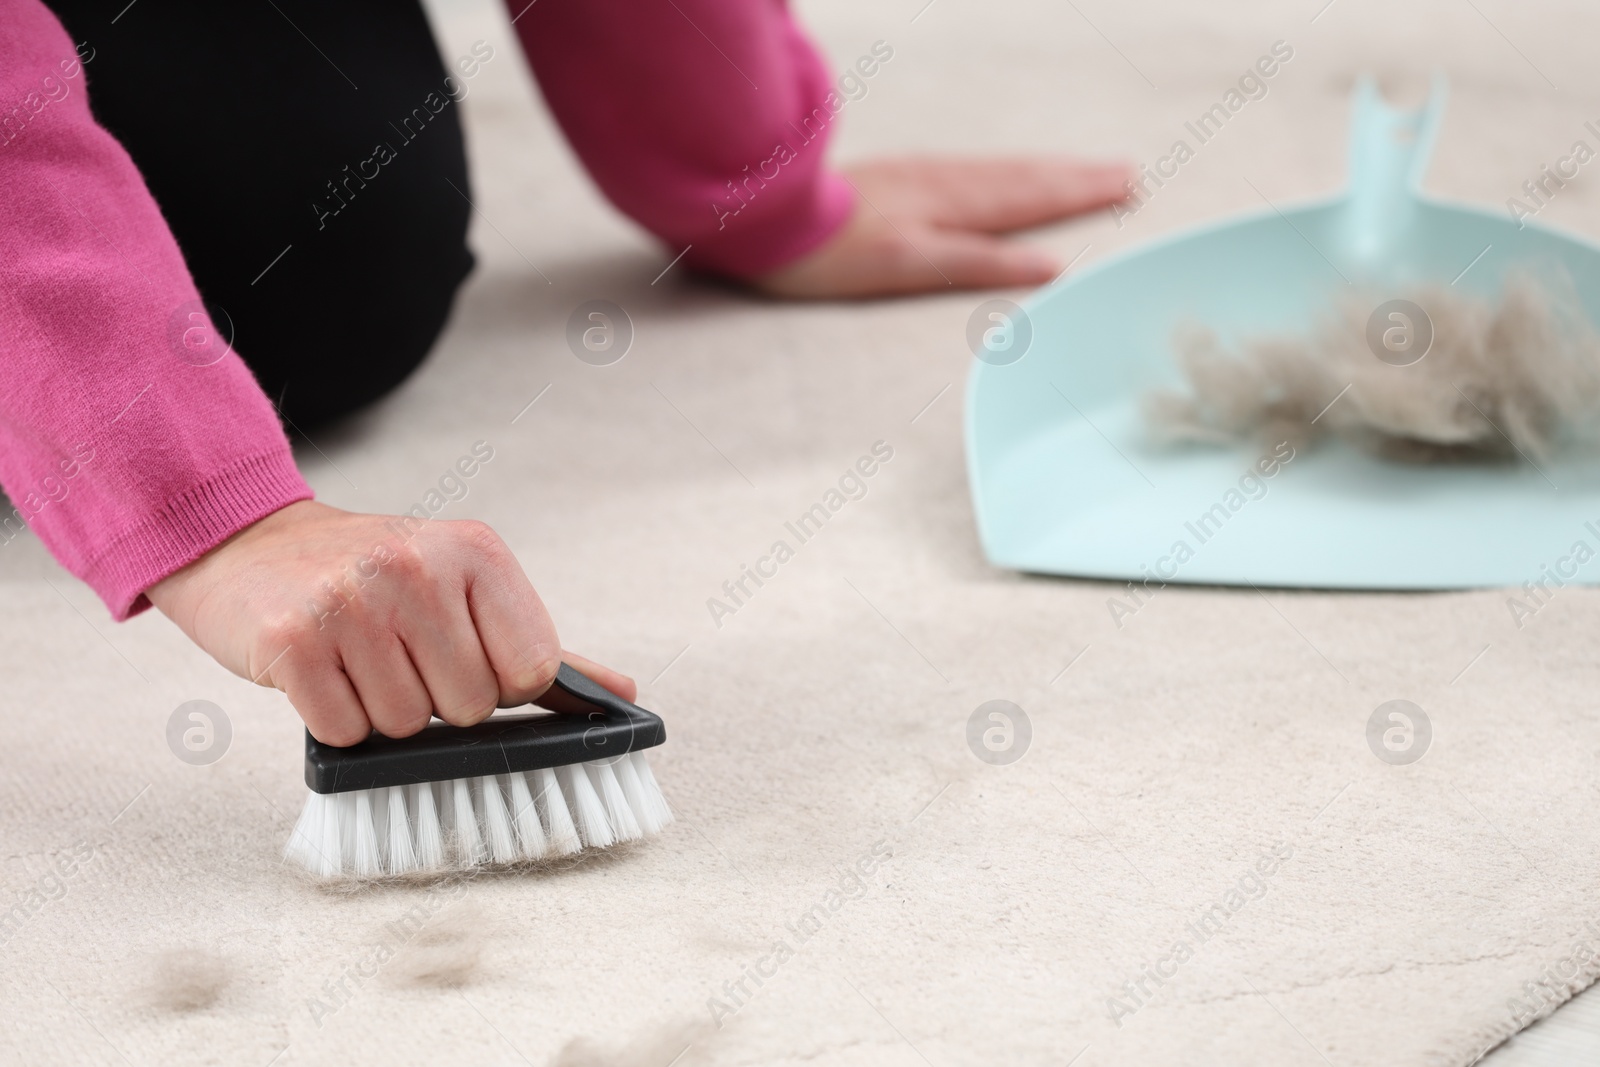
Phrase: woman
[305,163]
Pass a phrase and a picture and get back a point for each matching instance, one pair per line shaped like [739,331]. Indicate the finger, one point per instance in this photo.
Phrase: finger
[514,629]
[324,697]
[972,261]
[1020,194]
[619,683]
[1001,196]
[933,260]
[388,685]
[445,646]
[616,681]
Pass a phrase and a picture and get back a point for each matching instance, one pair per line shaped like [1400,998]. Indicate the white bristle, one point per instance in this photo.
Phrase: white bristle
[464,825]
[430,834]
[367,862]
[648,813]
[530,835]
[655,800]
[337,818]
[307,834]
[500,819]
[624,827]
[496,820]
[350,815]
[380,825]
[402,857]
[555,813]
[588,813]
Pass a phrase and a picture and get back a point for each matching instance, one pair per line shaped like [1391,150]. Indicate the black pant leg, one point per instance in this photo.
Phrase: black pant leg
[309,158]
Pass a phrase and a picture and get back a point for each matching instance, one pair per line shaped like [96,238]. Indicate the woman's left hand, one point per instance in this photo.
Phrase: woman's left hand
[923,225]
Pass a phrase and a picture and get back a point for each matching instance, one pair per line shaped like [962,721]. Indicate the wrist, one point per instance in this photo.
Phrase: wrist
[170,593]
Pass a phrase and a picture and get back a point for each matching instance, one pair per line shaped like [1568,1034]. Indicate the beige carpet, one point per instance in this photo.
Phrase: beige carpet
[824,723]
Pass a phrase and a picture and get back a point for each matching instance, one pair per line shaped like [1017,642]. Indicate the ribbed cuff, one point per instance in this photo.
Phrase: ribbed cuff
[761,239]
[189,526]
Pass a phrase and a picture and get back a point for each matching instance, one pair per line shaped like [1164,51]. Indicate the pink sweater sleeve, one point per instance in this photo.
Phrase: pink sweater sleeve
[126,443]
[703,120]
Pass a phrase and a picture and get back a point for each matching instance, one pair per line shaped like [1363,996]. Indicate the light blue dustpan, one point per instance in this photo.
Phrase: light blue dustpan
[1065,480]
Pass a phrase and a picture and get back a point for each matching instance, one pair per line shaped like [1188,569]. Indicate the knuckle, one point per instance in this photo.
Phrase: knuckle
[472,701]
[479,537]
[407,723]
[409,561]
[286,631]
[535,676]
[486,695]
[469,714]
[341,734]
[395,710]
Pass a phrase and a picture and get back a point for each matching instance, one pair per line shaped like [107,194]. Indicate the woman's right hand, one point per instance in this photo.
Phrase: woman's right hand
[373,622]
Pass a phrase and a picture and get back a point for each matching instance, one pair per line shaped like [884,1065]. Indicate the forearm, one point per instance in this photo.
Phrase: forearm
[129,450]
[705,121]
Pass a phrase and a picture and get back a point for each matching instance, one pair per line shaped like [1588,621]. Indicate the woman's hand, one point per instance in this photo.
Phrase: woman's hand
[929,224]
[373,622]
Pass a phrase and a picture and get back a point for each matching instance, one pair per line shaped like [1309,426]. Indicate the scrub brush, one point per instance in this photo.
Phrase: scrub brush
[512,789]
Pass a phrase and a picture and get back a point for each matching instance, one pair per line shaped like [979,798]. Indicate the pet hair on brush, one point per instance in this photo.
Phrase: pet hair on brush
[511,789]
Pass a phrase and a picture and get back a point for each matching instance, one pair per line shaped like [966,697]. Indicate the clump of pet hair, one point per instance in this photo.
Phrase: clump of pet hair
[185,980]
[445,951]
[1520,376]
[680,1043]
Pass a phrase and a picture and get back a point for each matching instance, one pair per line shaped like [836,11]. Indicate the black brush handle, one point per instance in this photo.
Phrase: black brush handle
[590,691]
[501,744]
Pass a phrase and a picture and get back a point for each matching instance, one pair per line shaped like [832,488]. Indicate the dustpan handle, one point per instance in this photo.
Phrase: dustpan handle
[1389,152]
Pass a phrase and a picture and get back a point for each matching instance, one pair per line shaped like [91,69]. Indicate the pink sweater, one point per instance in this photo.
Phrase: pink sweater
[129,461]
